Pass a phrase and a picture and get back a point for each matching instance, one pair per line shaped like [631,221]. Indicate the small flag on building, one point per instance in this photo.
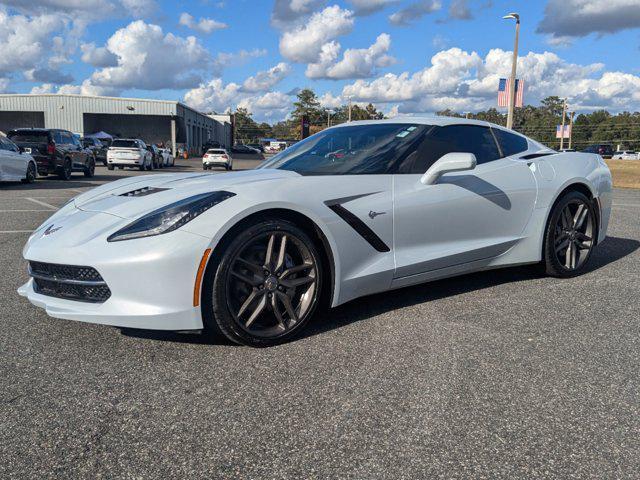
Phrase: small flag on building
[567,131]
[503,92]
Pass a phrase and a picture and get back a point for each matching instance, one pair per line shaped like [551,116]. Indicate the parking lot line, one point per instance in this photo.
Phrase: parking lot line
[11,211]
[637,205]
[43,204]
[17,231]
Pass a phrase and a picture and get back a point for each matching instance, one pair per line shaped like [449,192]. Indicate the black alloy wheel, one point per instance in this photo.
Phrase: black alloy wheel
[571,236]
[90,168]
[32,173]
[267,285]
[65,171]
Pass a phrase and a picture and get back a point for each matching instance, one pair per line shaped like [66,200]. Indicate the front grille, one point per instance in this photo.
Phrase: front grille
[83,284]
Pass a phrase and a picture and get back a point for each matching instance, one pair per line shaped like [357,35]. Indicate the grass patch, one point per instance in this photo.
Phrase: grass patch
[626,173]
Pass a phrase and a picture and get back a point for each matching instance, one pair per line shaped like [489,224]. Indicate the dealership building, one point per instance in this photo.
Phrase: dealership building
[153,121]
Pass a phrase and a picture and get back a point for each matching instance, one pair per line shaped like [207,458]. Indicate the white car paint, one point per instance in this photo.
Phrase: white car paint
[626,155]
[128,157]
[216,157]
[491,216]
[13,163]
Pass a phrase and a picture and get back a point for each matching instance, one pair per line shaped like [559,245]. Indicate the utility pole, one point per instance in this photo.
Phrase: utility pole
[349,109]
[571,114]
[329,118]
[564,112]
[514,64]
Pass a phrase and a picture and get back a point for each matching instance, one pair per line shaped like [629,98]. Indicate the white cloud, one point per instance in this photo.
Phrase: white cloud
[464,81]
[289,12]
[304,43]
[47,75]
[459,9]
[139,8]
[577,18]
[26,42]
[4,85]
[203,25]
[414,12]
[98,56]
[149,59]
[356,63]
[266,79]
[367,7]
[86,88]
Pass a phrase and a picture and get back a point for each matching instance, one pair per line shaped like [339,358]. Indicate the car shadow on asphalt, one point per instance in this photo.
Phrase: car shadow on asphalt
[610,251]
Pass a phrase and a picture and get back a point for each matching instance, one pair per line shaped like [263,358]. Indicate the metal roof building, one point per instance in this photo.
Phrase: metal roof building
[154,121]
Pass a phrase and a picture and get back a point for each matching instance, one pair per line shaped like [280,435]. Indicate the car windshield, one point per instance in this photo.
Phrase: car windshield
[351,150]
[124,144]
[29,137]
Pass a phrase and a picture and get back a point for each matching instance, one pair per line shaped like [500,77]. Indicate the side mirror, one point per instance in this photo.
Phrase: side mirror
[451,162]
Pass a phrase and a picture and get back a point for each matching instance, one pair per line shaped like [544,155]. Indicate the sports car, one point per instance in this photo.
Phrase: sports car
[354,210]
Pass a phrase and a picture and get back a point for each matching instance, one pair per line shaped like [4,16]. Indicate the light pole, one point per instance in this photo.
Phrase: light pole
[564,114]
[329,112]
[512,84]
[571,114]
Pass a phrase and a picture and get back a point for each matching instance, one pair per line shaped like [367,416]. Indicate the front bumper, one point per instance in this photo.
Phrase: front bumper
[151,279]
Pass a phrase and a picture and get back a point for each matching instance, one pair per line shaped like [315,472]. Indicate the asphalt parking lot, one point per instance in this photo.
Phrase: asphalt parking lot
[503,374]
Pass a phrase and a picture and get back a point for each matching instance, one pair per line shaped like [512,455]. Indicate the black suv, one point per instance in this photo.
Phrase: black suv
[55,151]
[604,150]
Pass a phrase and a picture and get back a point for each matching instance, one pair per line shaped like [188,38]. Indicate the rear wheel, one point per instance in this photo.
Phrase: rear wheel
[266,286]
[65,170]
[570,236]
[32,173]
[110,167]
[90,168]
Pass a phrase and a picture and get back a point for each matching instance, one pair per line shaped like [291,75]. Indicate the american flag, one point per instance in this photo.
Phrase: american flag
[559,131]
[503,92]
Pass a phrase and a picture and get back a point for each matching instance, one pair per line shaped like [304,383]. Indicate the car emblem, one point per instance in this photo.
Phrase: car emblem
[373,214]
[50,230]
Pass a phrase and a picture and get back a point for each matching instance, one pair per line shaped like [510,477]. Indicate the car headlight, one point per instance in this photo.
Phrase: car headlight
[170,217]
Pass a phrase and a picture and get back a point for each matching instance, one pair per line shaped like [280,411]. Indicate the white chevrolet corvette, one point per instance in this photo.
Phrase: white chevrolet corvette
[354,210]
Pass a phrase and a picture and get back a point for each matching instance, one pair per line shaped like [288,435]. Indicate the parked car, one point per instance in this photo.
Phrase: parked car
[16,165]
[256,146]
[626,155]
[169,160]
[156,156]
[97,149]
[129,152]
[244,149]
[55,151]
[253,255]
[604,150]
[217,157]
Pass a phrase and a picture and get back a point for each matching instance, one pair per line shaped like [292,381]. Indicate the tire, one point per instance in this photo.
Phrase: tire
[110,167]
[570,236]
[262,302]
[32,173]
[90,170]
[65,170]
[204,167]
[229,167]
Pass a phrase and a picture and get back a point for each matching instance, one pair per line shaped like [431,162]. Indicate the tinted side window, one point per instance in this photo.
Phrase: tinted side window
[454,138]
[510,143]
[57,137]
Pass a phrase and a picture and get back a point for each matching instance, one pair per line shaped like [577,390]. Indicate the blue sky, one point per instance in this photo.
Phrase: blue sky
[406,56]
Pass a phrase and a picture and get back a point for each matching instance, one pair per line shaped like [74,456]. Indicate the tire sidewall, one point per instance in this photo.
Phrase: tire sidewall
[219,311]
[552,264]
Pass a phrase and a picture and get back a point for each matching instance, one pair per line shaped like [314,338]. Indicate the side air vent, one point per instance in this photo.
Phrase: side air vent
[142,192]
[531,156]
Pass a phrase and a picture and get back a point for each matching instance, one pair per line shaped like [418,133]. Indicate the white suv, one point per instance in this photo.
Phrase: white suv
[127,152]
[217,157]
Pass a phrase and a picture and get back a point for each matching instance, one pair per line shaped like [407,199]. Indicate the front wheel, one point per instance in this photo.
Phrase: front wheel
[65,171]
[31,175]
[266,286]
[570,236]
[90,169]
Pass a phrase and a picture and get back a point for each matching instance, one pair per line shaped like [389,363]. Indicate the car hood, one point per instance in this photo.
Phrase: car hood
[135,196]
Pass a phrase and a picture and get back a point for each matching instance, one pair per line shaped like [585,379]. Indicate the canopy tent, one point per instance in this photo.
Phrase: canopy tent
[100,136]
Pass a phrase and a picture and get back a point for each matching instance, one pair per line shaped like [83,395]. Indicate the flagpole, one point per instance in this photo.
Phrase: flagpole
[564,111]
[571,114]
[514,63]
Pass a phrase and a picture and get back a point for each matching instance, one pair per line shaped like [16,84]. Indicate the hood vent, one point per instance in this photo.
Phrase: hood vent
[142,192]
